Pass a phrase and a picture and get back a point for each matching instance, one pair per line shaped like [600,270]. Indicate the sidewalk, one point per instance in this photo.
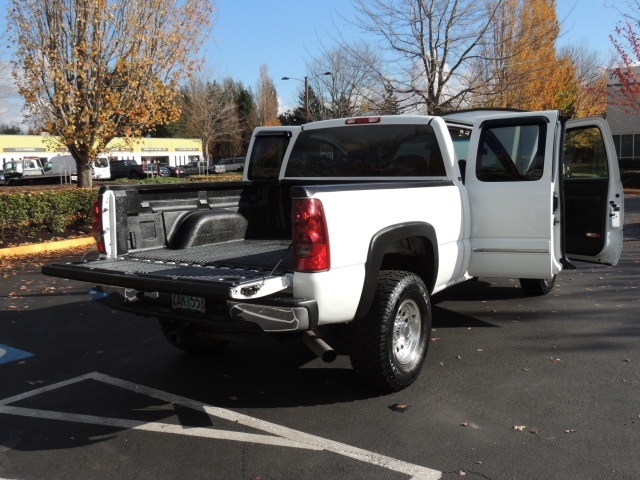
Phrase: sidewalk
[46,247]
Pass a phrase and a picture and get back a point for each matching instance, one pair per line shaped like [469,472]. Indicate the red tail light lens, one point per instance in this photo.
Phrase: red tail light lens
[96,227]
[310,240]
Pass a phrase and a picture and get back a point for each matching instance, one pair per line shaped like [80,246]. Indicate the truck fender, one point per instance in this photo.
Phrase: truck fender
[422,240]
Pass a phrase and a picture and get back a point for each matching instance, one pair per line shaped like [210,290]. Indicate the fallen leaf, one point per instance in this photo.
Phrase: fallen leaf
[399,407]
[555,360]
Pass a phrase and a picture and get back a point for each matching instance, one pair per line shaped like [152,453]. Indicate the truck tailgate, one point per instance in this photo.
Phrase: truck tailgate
[208,270]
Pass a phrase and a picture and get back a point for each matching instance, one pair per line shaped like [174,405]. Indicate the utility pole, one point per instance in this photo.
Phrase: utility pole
[306,91]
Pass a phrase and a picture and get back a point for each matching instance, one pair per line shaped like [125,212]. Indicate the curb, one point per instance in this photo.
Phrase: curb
[46,247]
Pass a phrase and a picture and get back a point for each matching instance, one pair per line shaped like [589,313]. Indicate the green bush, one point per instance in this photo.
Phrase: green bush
[46,210]
[223,177]
[630,178]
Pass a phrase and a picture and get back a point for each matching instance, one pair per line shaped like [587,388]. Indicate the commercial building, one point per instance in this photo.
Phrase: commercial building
[170,151]
[624,125]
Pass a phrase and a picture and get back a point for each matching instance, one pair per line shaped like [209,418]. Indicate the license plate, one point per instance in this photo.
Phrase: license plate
[187,302]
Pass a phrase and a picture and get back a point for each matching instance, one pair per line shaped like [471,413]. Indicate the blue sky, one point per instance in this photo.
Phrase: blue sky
[283,34]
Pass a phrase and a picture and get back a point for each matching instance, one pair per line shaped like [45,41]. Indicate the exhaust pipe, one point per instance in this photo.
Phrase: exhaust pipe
[319,347]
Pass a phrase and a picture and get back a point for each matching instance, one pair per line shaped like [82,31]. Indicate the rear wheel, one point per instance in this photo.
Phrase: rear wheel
[189,338]
[388,347]
[537,287]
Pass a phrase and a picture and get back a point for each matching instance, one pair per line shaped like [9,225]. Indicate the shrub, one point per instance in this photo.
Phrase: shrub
[630,178]
[46,210]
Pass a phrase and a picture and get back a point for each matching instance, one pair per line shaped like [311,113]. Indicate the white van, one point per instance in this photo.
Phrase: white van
[101,168]
[66,165]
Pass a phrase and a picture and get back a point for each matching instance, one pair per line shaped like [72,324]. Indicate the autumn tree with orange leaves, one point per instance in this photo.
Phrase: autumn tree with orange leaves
[525,70]
[92,70]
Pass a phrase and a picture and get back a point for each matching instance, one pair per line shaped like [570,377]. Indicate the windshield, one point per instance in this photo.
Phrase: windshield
[100,162]
[367,151]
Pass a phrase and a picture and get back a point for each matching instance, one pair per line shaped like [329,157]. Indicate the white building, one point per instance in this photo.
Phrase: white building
[170,151]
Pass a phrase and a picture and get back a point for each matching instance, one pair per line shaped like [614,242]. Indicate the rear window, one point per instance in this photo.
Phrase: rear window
[367,151]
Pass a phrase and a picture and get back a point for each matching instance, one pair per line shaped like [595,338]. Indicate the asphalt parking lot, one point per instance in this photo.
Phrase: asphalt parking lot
[513,388]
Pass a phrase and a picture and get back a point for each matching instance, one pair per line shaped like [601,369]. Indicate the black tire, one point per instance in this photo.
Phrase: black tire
[537,287]
[190,339]
[388,347]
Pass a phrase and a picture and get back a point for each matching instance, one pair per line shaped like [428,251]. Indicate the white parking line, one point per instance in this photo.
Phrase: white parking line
[279,435]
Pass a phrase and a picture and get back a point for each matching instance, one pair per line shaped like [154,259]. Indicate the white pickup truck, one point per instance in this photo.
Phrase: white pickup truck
[359,221]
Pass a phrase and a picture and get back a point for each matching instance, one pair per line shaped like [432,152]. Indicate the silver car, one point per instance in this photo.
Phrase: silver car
[229,164]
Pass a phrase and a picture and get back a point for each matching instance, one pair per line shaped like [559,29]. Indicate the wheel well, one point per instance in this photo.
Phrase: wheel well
[413,254]
[411,247]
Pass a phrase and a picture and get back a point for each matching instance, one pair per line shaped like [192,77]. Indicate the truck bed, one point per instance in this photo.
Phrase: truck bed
[197,240]
[201,270]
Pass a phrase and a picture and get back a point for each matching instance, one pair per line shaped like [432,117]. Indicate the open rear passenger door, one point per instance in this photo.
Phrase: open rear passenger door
[512,181]
[593,195]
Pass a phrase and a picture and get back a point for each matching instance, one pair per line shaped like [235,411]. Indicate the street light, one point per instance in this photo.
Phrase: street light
[306,90]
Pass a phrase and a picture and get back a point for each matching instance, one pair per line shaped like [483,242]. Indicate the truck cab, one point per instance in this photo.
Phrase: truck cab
[16,170]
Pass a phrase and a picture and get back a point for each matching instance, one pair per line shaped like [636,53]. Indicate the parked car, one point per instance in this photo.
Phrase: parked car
[127,169]
[154,169]
[177,171]
[165,170]
[228,165]
[195,168]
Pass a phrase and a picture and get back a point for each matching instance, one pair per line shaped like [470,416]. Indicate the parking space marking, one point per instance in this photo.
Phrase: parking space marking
[10,354]
[276,435]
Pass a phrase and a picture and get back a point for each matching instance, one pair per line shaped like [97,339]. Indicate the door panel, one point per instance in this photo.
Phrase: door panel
[594,208]
[510,180]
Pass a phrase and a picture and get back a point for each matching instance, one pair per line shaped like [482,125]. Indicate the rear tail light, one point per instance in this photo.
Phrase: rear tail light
[310,239]
[96,226]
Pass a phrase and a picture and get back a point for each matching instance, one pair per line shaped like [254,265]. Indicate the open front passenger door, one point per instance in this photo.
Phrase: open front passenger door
[593,195]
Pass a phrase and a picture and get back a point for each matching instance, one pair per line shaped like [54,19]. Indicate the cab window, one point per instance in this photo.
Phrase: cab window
[584,153]
[267,155]
[511,153]
[367,151]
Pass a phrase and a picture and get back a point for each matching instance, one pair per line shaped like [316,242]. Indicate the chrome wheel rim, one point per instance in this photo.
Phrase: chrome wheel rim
[406,332]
